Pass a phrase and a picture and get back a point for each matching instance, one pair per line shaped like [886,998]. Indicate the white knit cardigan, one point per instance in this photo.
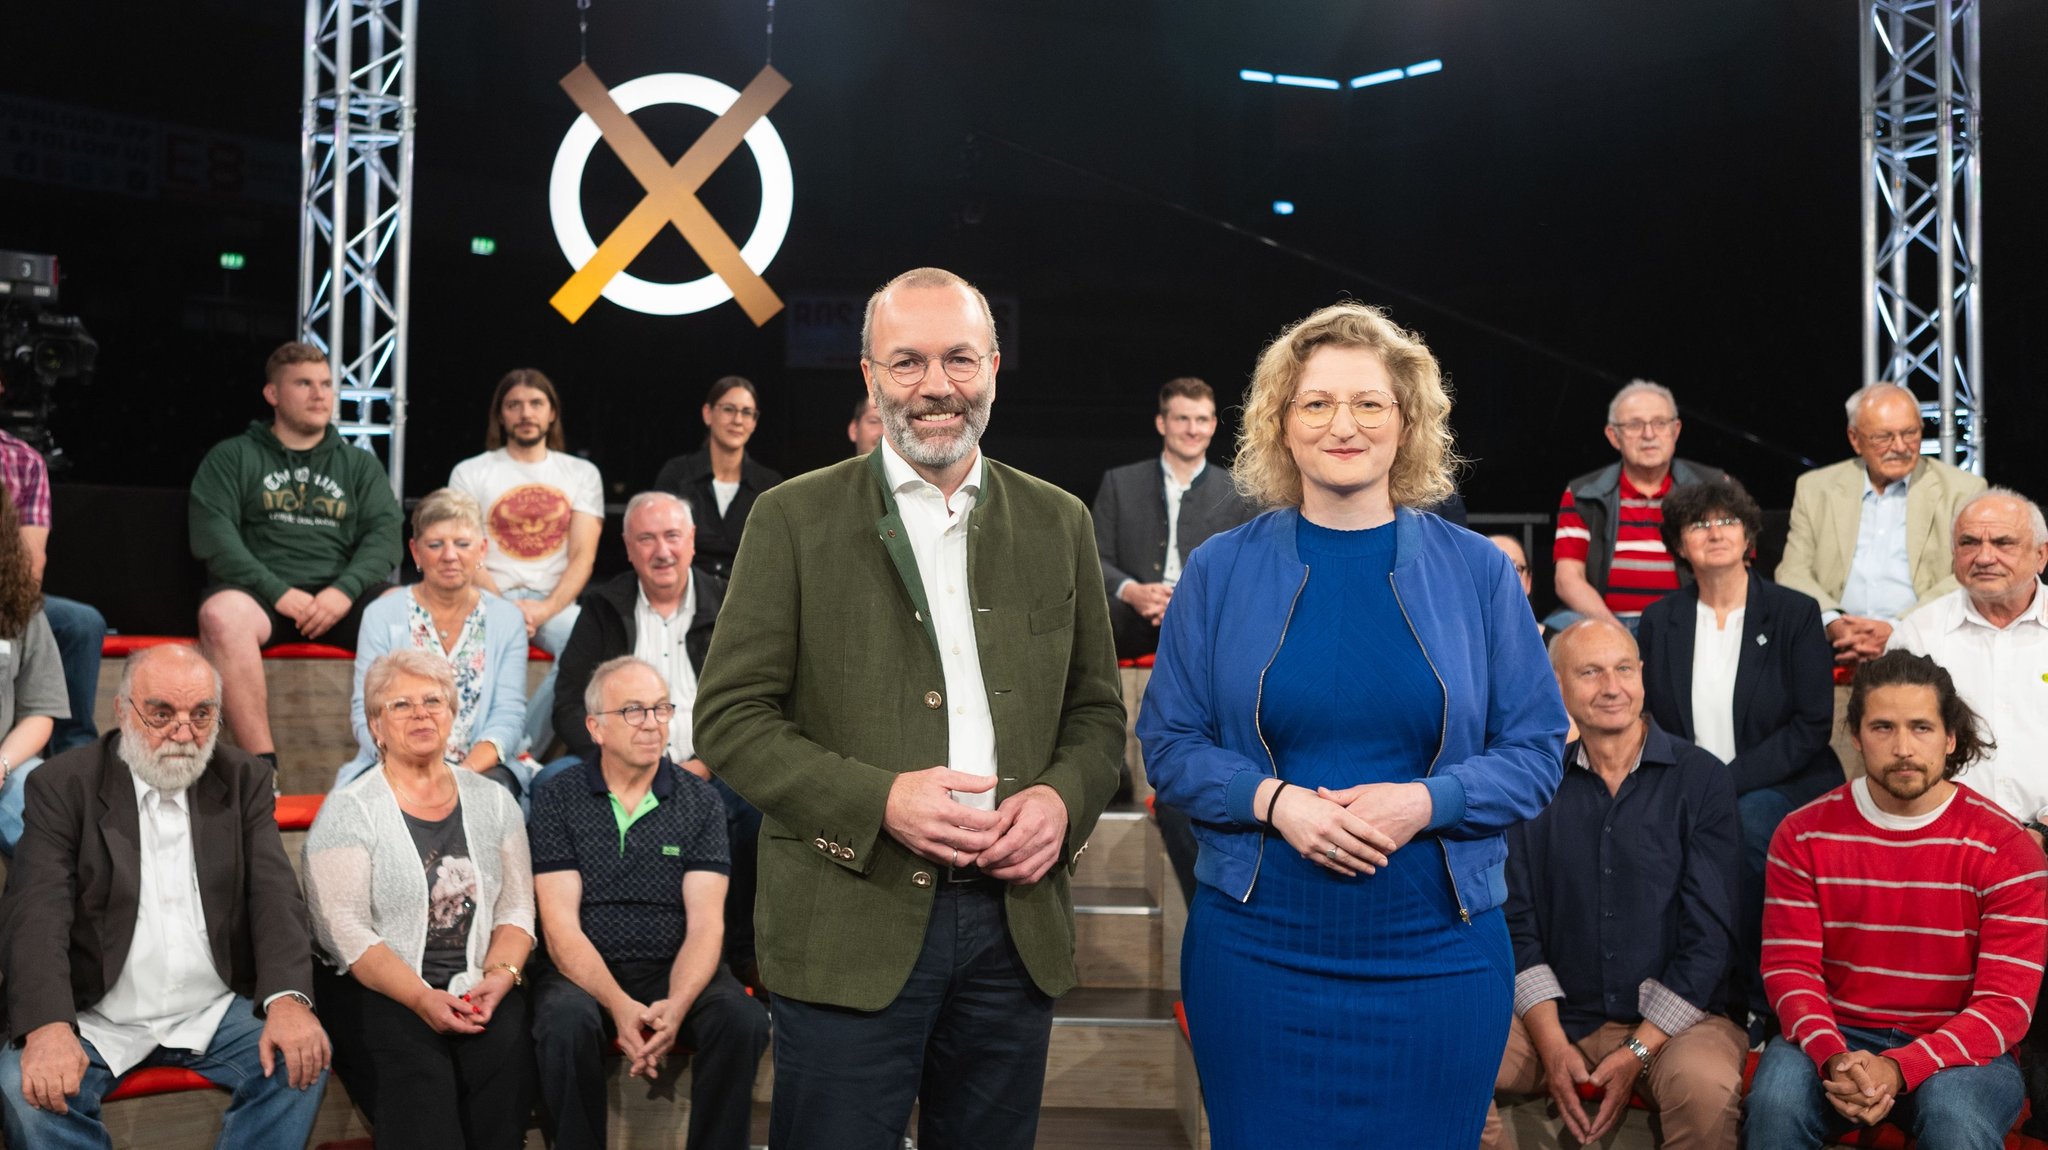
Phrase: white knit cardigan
[365,884]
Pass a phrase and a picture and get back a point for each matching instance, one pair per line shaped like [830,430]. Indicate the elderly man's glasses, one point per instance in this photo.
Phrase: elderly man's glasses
[1702,526]
[1891,438]
[403,708]
[729,410]
[638,715]
[1644,426]
[910,367]
[1367,411]
[163,717]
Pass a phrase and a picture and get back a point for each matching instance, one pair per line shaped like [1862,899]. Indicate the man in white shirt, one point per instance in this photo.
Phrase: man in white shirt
[1151,514]
[543,509]
[1870,535]
[1991,635]
[914,680]
[152,919]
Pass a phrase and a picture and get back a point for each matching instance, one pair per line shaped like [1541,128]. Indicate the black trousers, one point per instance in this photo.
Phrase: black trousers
[572,1034]
[422,1088]
[967,1036]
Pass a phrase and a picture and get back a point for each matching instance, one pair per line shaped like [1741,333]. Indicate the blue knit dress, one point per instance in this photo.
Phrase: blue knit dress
[1330,1012]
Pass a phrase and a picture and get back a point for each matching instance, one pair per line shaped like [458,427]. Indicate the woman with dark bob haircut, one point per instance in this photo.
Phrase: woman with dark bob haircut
[1742,668]
[719,480]
[1351,704]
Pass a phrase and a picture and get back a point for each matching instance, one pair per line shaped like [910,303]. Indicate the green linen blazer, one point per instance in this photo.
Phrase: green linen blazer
[823,682]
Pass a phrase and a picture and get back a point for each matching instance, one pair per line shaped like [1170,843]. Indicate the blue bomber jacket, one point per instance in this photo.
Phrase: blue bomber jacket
[1502,748]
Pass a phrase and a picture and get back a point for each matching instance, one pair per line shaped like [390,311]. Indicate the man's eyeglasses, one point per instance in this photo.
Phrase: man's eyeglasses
[159,717]
[1889,438]
[909,368]
[402,708]
[1702,526]
[729,410]
[1639,426]
[638,715]
[1367,411]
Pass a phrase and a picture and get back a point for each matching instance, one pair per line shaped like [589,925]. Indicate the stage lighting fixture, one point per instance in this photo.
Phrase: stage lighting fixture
[1389,75]
[1283,207]
[233,261]
[1305,82]
[1255,76]
[482,246]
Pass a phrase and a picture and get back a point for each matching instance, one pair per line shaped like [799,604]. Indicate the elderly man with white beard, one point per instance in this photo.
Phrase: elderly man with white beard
[152,919]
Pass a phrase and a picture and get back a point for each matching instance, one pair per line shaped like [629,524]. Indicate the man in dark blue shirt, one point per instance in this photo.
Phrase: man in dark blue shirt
[1621,901]
[629,874]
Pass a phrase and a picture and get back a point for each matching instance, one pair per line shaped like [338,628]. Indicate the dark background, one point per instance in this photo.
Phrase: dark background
[1590,190]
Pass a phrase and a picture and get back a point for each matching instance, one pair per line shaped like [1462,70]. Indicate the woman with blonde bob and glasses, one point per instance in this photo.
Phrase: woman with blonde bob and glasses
[1350,703]
[421,893]
[480,635]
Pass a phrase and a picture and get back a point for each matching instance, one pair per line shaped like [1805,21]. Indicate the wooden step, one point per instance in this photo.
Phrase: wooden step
[1112,1049]
[1117,938]
[1121,851]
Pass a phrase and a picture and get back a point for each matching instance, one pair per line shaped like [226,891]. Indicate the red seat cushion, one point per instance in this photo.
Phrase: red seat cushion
[536,655]
[122,646]
[152,1080]
[307,651]
[1140,661]
[297,812]
[1180,1015]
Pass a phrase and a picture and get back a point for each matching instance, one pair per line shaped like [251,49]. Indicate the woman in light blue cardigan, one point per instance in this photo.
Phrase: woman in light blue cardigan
[482,637]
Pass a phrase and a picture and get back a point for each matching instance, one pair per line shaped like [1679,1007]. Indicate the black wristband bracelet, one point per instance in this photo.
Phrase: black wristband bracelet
[1273,802]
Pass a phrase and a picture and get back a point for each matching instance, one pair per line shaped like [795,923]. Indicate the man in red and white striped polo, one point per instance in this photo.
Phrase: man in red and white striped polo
[1904,935]
[1609,552]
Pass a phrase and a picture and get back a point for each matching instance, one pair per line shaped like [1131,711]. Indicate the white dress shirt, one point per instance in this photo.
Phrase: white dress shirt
[1174,490]
[2003,674]
[1715,652]
[662,642]
[169,993]
[937,529]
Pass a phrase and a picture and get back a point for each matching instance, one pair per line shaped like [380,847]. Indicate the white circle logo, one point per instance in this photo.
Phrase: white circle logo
[565,194]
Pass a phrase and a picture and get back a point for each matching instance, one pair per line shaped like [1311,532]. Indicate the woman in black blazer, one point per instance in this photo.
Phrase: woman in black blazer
[1743,668]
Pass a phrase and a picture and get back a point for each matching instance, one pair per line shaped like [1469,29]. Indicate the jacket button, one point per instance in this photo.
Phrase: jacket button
[820,844]
[847,853]
[921,878]
[933,700]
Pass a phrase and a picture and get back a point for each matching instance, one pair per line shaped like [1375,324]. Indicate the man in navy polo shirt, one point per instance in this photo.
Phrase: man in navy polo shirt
[629,866]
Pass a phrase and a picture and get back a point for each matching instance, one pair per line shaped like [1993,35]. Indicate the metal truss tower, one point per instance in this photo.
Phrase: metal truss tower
[355,228]
[1923,303]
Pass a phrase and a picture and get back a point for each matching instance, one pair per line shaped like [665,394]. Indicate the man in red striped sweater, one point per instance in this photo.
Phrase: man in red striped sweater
[1904,935]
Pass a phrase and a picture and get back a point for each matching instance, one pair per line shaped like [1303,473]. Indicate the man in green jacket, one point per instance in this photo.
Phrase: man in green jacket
[913,679]
[298,531]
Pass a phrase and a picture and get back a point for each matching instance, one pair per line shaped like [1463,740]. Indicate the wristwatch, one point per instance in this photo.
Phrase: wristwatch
[518,979]
[1642,1053]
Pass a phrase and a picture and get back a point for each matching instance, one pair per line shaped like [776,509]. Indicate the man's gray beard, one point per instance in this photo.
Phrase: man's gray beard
[161,767]
[897,422]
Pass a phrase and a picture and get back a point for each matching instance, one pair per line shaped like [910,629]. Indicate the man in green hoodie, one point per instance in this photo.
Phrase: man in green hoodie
[298,531]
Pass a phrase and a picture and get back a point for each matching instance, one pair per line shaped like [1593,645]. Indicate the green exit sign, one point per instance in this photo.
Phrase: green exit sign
[482,246]
[233,261]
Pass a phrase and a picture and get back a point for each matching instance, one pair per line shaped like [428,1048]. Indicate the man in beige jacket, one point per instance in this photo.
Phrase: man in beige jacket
[1870,535]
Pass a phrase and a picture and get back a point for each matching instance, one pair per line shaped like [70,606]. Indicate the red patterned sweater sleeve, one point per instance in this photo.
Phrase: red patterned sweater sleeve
[1793,977]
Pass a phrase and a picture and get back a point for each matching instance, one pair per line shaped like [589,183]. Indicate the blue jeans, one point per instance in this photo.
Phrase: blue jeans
[540,709]
[266,1113]
[79,631]
[13,794]
[1960,1108]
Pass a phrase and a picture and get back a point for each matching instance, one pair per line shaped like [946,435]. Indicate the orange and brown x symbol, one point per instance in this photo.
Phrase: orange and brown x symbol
[671,195]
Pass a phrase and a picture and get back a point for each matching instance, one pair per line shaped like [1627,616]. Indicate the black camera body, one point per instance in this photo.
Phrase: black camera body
[39,347]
